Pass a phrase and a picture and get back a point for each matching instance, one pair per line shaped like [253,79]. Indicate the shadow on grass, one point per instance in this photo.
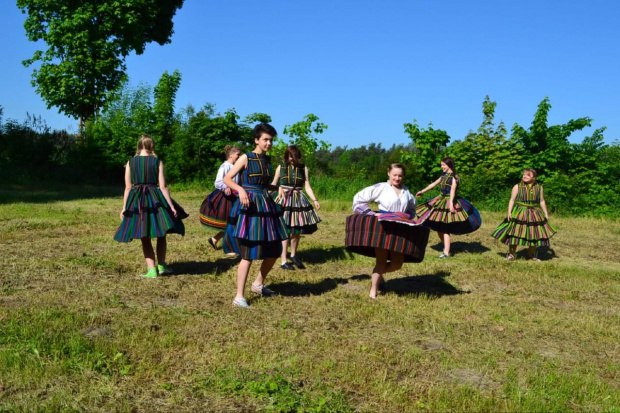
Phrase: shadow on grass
[297,289]
[57,192]
[322,255]
[543,253]
[203,267]
[457,247]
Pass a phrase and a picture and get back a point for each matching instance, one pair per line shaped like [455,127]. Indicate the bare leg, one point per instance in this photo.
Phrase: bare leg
[446,243]
[162,244]
[294,244]
[218,237]
[242,276]
[147,250]
[512,249]
[284,249]
[377,272]
[265,267]
[531,252]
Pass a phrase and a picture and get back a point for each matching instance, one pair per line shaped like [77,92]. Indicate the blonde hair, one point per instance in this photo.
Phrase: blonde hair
[228,149]
[146,142]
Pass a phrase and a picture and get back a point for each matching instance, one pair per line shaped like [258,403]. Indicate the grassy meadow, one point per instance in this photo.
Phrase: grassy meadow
[81,331]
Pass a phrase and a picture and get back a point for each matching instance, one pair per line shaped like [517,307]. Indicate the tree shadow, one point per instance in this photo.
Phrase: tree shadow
[457,247]
[39,194]
[203,267]
[297,289]
[431,285]
[322,255]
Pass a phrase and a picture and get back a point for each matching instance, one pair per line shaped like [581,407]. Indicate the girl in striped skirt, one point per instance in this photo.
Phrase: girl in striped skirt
[448,213]
[298,213]
[255,227]
[527,221]
[216,207]
[148,210]
[392,235]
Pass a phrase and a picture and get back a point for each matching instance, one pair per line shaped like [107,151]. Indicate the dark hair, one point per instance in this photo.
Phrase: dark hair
[264,128]
[397,165]
[532,171]
[294,152]
[450,163]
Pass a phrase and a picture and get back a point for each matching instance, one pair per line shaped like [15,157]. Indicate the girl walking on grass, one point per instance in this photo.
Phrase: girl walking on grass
[216,207]
[255,227]
[298,212]
[392,235]
[527,221]
[448,213]
[148,210]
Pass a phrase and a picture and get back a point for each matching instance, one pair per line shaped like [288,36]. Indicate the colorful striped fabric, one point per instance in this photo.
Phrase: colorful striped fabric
[147,213]
[215,209]
[298,213]
[399,218]
[436,215]
[365,233]
[528,225]
[255,231]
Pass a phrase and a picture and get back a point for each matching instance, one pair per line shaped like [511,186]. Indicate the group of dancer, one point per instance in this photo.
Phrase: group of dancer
[258,214]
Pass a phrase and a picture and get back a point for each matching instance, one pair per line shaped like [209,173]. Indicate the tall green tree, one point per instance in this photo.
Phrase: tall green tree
[165,94]
[88,42]
[302,134]
[429,146]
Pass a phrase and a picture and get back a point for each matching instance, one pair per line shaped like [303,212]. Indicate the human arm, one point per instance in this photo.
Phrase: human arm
[428,188]
[276,182]
[219,180]
[127,189]
[164,188]
[310,192]
[241,163]
[543,204]
[362,199]
[511,203]
[411,206]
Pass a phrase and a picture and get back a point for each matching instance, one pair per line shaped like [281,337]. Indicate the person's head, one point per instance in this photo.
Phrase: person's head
[232,153]
[396,174]
[447,165]
[263,136]
[145,143]
[292,155]
[529,176]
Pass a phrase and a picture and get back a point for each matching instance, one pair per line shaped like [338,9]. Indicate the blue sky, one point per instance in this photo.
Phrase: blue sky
[366,67]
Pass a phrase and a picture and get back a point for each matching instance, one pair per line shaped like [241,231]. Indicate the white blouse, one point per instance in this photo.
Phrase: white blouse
[221,173]
[387,198]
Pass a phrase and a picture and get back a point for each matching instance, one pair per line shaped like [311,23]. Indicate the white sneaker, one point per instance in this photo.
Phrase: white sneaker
[240,302]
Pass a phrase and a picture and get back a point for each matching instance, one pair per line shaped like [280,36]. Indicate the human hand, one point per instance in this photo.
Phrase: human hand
[418,194]
[227,191]
[243,198]
[317,205]
[174,211]
[122,214]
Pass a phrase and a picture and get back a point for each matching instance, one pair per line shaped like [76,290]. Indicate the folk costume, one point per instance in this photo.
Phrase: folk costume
[528,225]
[437,216]
[395,229]
[216,207]
[255,232]
[147,213]
[298,213]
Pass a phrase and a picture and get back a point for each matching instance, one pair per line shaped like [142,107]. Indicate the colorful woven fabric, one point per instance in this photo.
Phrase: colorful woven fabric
[255,231]
[364,233]
[298,212]
[436,215]
[402,218]
[215,209]
[528,225]
[147,213]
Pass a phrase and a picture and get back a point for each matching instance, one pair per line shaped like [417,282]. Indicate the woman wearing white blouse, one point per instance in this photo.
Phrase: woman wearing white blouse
[391,235]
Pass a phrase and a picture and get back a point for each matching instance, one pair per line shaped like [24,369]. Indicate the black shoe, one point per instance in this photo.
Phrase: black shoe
[298,263]
[287,266]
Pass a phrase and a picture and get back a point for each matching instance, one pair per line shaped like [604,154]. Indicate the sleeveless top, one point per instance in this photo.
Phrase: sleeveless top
[257,172]
[144,170]
[528,195]
[294,176]
[446,183]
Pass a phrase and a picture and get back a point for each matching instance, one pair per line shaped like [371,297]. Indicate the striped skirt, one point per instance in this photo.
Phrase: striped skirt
[255,232]
[437,216]
[215,209]
[527,227]
[148,215]
[364,233]
[297,212]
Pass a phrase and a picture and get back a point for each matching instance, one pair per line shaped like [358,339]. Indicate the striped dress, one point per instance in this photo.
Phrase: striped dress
[393,229]
[216,206]
[437,216]
[528,225]
[256,231]
[298,213]
[147,213]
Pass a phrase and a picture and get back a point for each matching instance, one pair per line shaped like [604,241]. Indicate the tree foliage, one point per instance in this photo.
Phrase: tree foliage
[88,42]
[428,148]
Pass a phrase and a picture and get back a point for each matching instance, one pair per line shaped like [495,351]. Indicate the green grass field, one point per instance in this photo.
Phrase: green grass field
[81,331]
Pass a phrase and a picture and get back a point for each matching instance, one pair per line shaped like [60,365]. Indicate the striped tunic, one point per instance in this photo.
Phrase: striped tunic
[216,207]
[298,212]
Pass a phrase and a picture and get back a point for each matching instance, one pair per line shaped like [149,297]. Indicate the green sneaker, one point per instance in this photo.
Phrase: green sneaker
[163,269]
[151,273]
